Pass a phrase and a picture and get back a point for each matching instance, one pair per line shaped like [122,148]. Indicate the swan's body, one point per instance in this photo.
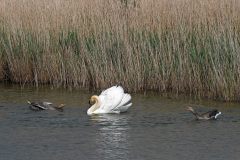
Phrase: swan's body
[38,106]
[213,114]
[111,100]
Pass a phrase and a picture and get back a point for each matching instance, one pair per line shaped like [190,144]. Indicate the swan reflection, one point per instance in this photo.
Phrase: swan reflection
[112,135]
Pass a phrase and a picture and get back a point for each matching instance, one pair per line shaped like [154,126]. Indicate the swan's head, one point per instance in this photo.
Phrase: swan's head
[190,109]
[95,104]
[93,100]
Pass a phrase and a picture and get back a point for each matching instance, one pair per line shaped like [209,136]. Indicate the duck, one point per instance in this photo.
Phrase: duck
[210,115]
[39,106]
[111,100]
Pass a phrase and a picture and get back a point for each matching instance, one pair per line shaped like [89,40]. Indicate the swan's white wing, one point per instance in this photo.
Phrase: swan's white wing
[111,98]
[124,108]
[110,90]
[125,103]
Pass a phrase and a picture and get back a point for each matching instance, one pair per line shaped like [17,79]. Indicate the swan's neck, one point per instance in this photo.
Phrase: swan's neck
[95,106]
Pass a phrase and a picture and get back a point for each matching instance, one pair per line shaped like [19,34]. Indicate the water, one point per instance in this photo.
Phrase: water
[154,128]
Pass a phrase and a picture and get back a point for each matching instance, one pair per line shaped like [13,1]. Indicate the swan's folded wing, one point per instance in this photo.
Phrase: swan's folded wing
[111,90]
[124,108]
[125,102]
[111,98]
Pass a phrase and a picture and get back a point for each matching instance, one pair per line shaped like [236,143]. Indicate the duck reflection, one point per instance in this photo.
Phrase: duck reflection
[112,135]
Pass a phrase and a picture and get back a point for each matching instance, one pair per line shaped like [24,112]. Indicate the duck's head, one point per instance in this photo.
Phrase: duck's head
[61,105]
[190,109]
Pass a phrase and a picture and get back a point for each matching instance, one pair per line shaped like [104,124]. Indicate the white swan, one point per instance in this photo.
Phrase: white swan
[111,100]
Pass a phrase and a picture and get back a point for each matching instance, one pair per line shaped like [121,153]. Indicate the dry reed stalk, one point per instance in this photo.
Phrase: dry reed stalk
[1,70]
[183,46]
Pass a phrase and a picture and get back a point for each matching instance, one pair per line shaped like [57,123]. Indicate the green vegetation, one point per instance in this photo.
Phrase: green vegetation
[190,47]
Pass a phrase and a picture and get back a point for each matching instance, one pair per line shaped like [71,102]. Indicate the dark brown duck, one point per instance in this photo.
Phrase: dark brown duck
[39,106]
[213,114]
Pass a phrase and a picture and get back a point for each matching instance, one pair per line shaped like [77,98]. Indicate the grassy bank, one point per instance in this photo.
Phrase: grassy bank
[182,46]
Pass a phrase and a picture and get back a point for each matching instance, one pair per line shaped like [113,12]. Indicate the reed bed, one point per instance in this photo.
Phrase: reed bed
[182,47]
